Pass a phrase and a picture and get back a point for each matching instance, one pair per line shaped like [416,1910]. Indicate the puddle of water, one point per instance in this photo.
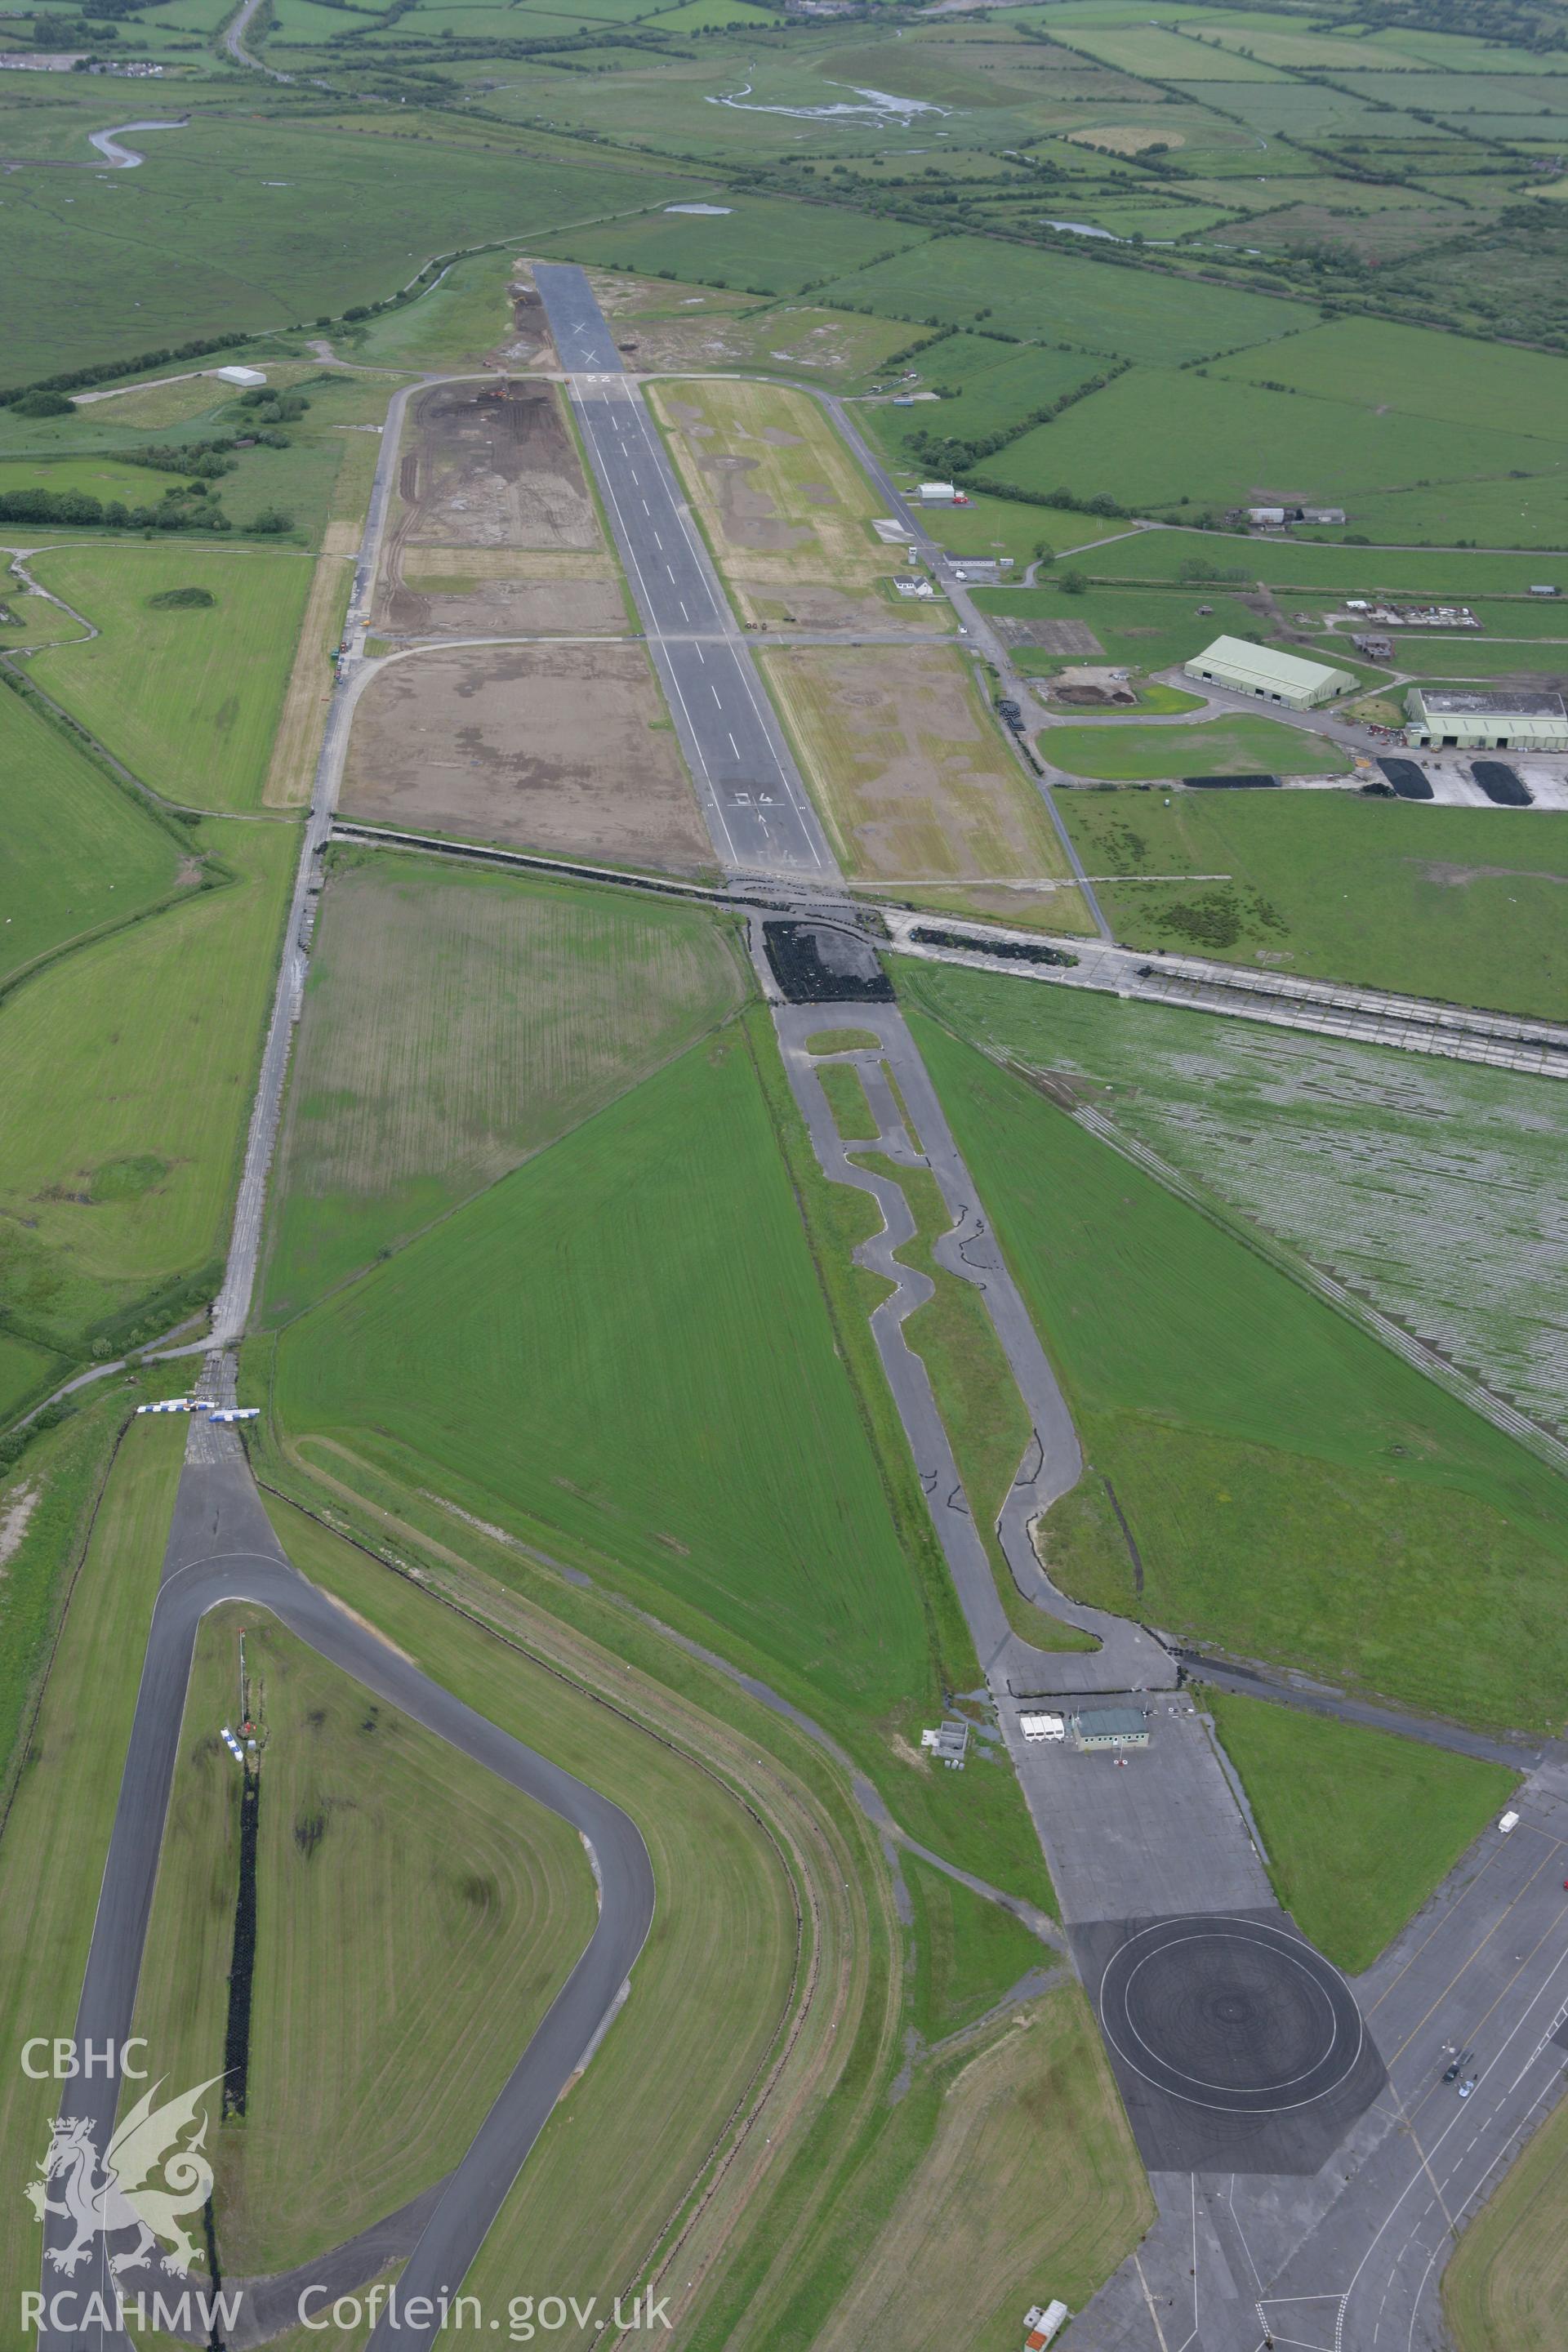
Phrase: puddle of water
[709,212]
[878,106]
[1086,229]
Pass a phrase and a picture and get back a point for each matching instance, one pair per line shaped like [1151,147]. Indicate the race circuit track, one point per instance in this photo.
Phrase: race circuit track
[222,1548]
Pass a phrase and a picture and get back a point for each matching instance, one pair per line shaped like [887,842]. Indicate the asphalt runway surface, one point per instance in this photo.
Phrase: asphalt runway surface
[222,1548]
[1237,2045]
[756,806]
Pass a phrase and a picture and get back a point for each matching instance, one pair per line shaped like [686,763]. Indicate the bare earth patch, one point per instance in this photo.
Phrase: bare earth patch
[563,748]
[14,1513]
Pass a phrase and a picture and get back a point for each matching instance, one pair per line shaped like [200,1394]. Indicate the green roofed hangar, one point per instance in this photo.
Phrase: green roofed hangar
[1272,676]
[1468,722]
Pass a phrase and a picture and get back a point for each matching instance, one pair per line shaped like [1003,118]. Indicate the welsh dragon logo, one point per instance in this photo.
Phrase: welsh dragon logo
[153,2176]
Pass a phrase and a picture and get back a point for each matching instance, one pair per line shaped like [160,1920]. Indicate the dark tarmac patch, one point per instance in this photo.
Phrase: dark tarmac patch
[1409,780]
[1236,2046]
[816,963]
[1503,785]
[1248,783]
[1010,950]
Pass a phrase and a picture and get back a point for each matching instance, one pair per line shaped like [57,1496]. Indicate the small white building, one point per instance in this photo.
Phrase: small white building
[1270,674]
[938,494]
[248,379]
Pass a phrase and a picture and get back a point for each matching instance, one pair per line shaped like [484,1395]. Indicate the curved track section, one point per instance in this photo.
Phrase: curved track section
[222,1548]
[1233,2014]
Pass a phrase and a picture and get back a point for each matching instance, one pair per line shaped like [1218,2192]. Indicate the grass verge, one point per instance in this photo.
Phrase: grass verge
[1361,1826]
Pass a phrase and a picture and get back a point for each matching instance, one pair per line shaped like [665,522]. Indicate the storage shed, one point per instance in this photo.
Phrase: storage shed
[1270,674]
[1108,1726]
[1457,719]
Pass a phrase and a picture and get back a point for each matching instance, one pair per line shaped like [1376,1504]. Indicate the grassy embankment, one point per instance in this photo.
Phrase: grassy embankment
[1504,2287]
[1361,1826]
[1241,1420]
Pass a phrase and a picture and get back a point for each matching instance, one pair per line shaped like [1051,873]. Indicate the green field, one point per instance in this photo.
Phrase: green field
[415,1918]
[969,1954]
[1379,893]
[1221,746]
[81,854]
[993,387]
[1504,2287]
[758,242]
[1159,436]
[1242,1419]
[1387,368]
[271,223]
[1361,1827]
[616,1394]
[1324,569]
[1136,628]
[1059,299]
[126,1069]
[1429,1186]
[846,1092]
[187,697]
[640,1404]
[1008,2163]
[56,1833]
[456,1022]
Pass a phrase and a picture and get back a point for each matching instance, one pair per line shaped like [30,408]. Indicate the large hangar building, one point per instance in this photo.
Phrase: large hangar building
[1270,674]
[1454,719]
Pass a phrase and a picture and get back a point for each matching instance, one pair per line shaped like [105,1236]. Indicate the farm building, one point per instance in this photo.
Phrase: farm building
[1464,719]
[1270,674]
[1108,1726]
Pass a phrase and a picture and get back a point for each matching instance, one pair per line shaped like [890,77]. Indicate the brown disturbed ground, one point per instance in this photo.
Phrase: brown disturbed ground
[563,748]
[495,466]
[494,532]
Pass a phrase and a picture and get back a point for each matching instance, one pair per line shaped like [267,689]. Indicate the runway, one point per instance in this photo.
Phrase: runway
[755,804]
[222,1548]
